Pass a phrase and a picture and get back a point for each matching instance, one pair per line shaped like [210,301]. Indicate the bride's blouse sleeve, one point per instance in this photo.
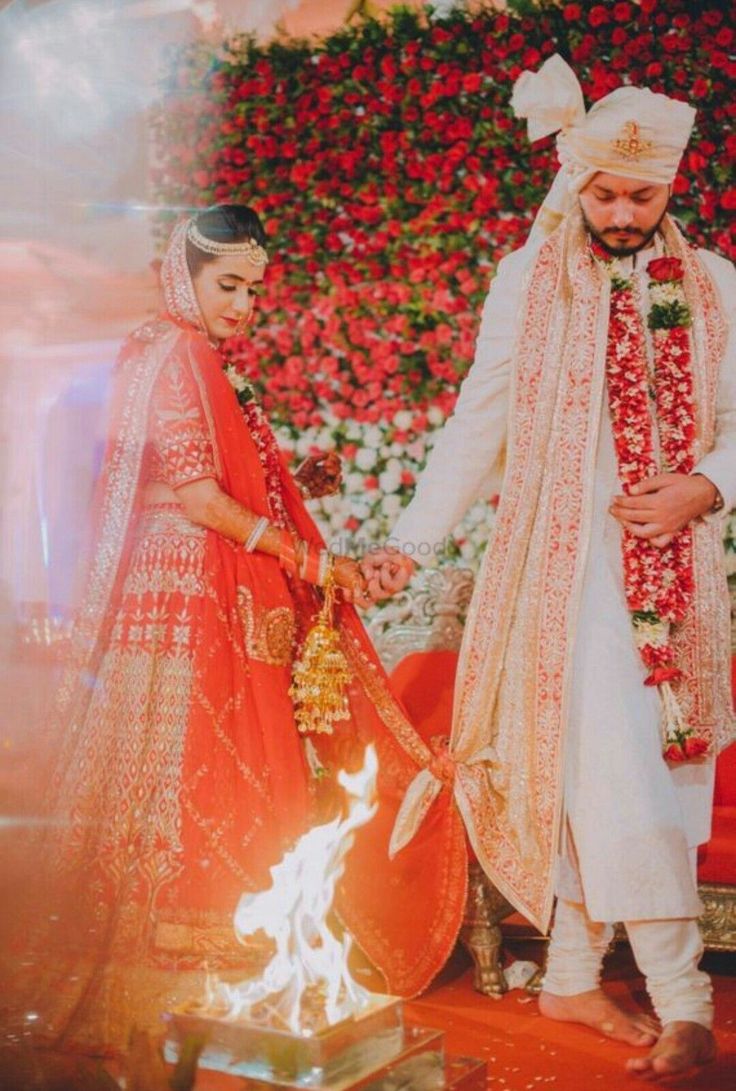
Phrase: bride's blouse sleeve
[181,445]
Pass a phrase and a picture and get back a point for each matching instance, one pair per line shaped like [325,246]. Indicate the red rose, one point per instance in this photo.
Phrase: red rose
[471,82]
[622,12]
[661,269]
[675,752]
[598,16]
[572,12]
[663,674]
[700,88]
[695,746]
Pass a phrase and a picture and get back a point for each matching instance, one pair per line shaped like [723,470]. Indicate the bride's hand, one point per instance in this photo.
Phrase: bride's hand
[351,581]
[319,475]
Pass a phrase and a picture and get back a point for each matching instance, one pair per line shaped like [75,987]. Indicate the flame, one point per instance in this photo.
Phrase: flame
[309,968]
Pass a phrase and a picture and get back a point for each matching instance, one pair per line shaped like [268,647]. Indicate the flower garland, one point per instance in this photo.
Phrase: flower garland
[658,581]
[264,439]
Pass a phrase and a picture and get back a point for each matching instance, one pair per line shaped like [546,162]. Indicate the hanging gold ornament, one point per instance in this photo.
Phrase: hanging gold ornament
[321,674]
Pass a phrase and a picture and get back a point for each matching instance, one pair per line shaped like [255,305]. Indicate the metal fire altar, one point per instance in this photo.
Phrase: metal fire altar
[304,1021]
[373,1051]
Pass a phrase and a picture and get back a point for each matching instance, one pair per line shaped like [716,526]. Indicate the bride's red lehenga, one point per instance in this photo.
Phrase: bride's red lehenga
[183,777]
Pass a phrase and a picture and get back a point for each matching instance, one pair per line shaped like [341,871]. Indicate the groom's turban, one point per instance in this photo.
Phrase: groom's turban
[632,132]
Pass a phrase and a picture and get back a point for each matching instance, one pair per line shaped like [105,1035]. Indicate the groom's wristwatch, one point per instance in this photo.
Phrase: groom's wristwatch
[719,502]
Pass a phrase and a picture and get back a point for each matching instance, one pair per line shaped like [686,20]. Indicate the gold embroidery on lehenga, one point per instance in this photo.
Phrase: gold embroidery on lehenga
[269,634]
[168,554]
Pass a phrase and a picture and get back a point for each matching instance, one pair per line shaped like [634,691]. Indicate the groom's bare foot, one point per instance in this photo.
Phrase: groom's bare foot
[681,1046]
[596,1010]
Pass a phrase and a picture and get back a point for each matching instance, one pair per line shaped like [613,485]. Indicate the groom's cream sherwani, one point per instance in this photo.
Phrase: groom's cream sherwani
[631,816]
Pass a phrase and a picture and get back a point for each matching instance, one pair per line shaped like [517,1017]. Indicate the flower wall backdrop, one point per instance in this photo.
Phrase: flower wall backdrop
[392,176]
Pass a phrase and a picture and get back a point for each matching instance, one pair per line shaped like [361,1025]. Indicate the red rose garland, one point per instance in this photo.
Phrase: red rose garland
[658,581]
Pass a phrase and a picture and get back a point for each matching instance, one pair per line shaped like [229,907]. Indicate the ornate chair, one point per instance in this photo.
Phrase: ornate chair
[428,618]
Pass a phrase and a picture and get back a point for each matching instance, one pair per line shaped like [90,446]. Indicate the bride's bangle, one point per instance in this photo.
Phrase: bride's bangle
[310,564]
[262,525]
[326,565]
[287,552]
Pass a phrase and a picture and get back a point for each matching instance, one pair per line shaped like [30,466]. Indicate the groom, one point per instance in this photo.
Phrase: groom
[593,683]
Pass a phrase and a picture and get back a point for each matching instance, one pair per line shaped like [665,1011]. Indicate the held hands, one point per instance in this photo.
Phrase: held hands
[660,506]
[351,581]
[387,571]
[319,475]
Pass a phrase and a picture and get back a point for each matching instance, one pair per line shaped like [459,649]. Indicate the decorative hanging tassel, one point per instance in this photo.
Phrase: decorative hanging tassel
[321,674]
[681,743]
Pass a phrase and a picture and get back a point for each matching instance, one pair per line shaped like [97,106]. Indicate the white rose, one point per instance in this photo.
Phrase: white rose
[435,416]
[417,450]
[391,505]
[403,420]
[365,459]
[373,437]
[389,480]
[354,482]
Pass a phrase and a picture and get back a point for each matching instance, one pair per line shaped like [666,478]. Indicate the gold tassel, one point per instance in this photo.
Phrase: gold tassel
[321,674]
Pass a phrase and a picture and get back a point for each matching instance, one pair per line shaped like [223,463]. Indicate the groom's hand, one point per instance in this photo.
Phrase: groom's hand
[387,571]
[660,506]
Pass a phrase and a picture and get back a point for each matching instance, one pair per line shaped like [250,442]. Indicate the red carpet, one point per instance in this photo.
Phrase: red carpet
[525,1052]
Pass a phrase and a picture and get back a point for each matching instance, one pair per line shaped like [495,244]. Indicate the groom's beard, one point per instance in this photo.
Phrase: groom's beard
[639,239]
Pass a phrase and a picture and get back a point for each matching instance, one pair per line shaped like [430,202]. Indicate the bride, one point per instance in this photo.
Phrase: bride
[183,777]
